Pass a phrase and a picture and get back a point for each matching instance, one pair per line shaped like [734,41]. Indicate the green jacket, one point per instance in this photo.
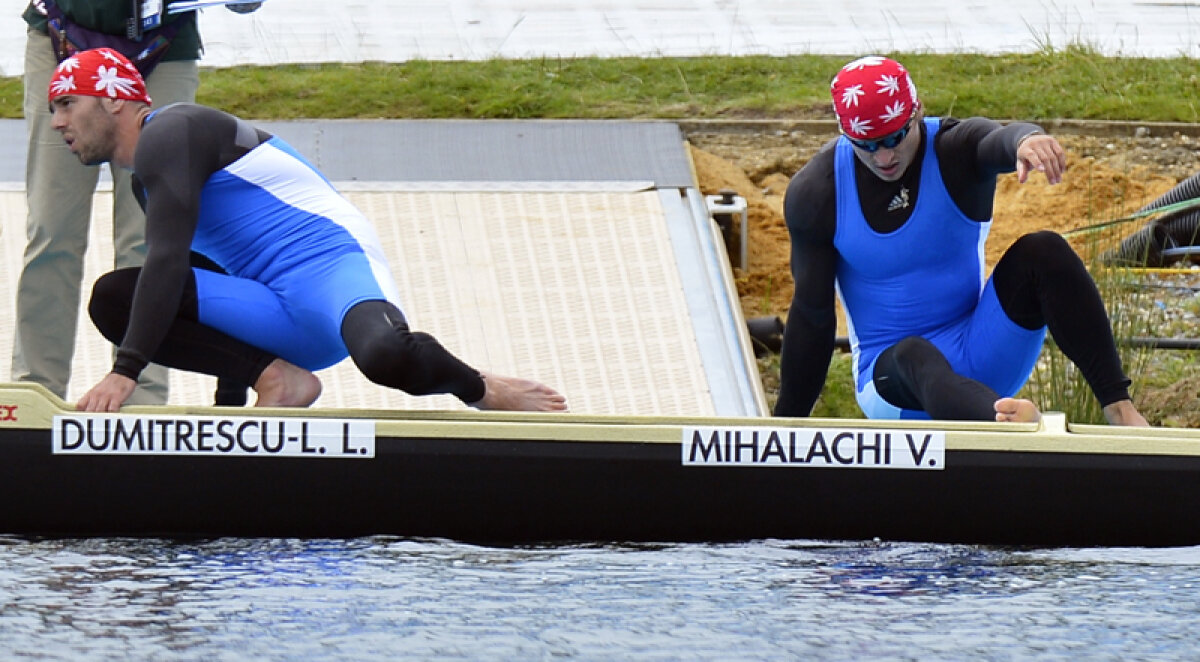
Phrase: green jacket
[109,16]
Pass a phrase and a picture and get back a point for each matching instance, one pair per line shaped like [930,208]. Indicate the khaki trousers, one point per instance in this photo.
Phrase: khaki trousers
[59,192]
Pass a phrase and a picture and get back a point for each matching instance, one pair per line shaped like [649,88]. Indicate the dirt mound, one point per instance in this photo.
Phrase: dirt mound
[1104,180]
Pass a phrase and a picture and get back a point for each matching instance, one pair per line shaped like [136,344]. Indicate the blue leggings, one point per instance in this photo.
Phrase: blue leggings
[1039,284]
[233,328]
[960,374]
[299,321]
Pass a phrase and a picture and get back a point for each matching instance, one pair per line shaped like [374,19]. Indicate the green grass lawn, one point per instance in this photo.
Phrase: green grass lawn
[1073,82]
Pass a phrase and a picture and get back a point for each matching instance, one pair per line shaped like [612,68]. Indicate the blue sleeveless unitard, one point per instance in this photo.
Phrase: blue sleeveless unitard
[925,279]
[298,257]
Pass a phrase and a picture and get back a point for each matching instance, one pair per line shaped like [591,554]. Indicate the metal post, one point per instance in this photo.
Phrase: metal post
[723,208]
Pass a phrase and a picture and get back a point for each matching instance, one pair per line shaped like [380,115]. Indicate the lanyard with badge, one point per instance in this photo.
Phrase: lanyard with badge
[69,38]
[147,15]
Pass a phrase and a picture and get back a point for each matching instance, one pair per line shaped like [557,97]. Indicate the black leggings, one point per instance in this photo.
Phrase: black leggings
[1040,281]
[387,353]
[375,333]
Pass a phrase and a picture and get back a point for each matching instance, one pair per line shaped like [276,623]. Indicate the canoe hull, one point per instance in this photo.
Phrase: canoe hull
[530,488]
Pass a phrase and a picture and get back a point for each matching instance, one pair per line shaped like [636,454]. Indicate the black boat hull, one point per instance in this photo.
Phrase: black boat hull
[514,478]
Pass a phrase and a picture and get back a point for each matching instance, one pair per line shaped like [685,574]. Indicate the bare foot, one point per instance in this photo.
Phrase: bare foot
[1122,412]
[1017,410]
[283,384]
[516,394]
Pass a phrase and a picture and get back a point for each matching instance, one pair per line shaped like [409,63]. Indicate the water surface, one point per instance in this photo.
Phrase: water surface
[389,598]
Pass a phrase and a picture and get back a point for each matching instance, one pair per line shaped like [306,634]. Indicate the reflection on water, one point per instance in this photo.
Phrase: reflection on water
[389,598]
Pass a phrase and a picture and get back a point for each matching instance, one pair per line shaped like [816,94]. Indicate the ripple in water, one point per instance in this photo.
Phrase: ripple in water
[388,598]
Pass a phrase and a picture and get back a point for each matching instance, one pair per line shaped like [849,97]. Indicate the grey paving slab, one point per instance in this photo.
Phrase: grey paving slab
[12,157]
[490,151]
[463,150]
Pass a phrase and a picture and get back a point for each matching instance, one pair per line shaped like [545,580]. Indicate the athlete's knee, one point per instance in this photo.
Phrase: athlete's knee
[389,354]
[1035,264]
[900,364]
[109,305]
[1044,248]
[915,351]
[375,334]
[395,360]
[116,287]
[901,369]
[379,358]
[912,361]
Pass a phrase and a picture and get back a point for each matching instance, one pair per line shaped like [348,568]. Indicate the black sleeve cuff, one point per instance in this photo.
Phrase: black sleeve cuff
[129,364]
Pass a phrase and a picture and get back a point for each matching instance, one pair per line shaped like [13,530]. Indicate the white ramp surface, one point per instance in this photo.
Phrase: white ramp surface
[575,289]
[579,290]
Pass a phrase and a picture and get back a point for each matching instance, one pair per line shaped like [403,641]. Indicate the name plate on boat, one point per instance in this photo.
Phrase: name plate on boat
[814,447]
[213,436]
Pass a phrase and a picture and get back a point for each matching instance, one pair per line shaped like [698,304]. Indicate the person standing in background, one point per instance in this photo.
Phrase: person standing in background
[59,188]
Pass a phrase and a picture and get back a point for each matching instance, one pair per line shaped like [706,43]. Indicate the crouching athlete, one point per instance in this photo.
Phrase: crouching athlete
[305,283]
[893,217]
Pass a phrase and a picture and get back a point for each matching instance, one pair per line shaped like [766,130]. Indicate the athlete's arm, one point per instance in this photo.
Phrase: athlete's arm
[810,209]
[176,154]
[971,153]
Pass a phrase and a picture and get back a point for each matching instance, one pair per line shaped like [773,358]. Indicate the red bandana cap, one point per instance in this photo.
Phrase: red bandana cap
[100,72]
[873,97]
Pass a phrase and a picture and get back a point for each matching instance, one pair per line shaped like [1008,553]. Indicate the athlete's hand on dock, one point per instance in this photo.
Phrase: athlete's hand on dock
[108,395]
[516,394]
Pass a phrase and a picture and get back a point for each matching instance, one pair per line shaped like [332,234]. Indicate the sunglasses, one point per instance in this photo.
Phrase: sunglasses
[889,141]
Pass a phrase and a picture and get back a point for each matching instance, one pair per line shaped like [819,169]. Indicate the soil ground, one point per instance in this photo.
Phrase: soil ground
[1107,177]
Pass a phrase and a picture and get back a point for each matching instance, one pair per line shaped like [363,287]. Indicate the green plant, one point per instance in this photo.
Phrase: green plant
[1086,85]
[837,397]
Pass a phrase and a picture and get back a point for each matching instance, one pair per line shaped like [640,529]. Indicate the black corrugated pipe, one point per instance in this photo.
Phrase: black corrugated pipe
[1145,247]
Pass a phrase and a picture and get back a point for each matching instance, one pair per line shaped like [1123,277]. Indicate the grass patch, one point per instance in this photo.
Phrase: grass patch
[591,88]
[837,396]
[1169,391]
[1073,82]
